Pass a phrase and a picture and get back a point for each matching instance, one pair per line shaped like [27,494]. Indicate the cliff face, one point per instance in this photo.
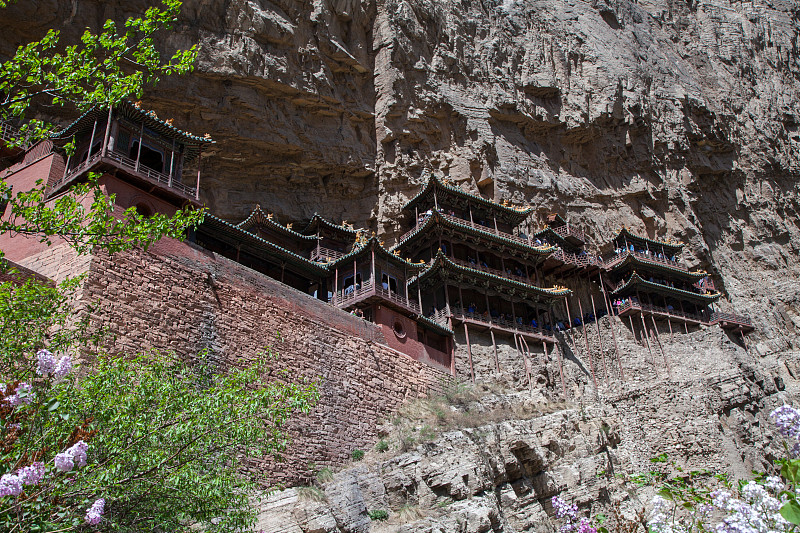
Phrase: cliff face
[677,118]
[673,117]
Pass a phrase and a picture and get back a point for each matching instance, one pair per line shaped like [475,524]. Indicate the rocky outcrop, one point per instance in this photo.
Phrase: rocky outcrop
[481,460]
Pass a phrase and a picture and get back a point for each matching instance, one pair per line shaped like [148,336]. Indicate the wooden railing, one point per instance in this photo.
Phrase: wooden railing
[570,231]
[349,296]
[462,314]
[489,270]
[8,133]
[669,313]
[129,164]
[742,320]
[322,254]
[479,227]
[615,259]
[578,260]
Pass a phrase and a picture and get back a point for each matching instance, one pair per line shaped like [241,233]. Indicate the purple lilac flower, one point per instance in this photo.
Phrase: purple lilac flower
[788,421]
[64,462]
[22,395]
[78,451]
[31,474]
[45,363]
[74,456]
[565,510]
[63,367]
[10,485]
[585,527]
[95,513]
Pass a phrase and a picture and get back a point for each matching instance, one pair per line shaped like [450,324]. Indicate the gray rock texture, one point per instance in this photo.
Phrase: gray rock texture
[677,118]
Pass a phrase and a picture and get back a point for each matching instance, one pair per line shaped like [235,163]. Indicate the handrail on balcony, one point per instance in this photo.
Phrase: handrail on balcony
[129,164]
[320,253]
[616,258]
[489,270]
[570,231]
[487,319]
[719,316]
[351,295]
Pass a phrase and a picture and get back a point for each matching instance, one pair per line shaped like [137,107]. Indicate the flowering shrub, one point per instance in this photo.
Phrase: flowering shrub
[765,505]
[569,513]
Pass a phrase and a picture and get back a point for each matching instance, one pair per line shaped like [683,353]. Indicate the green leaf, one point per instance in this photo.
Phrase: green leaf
[791,512]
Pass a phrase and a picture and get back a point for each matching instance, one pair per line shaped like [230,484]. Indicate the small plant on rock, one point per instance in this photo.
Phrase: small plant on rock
[378,515]
[357,455]
[382,446]
[325,475]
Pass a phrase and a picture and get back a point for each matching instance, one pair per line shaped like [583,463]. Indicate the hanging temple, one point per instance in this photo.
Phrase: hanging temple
[465,262]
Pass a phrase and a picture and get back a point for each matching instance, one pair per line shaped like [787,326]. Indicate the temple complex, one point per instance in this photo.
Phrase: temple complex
[465,266]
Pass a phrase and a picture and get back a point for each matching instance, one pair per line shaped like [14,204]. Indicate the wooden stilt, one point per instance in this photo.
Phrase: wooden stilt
[669,323]
[647,341]
[561,370]
[610,312]
[660,347]
[526,354]
[633,329]
[469,353]
[599,337]
[494,347]
[586,338]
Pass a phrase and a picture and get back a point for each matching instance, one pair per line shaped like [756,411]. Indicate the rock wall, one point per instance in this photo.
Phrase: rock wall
[182,299]
[674,118]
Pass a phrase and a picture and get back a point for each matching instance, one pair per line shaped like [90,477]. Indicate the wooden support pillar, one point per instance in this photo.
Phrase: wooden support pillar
[647,341]
[283,269]
[660,347]
[419,298]
[335,285]
[599,337]
[561,369]
[586,338]
[496,231]
[372,270]
[197,185]
[525,356]
[633,329]
[172,165]
[139,152]
[469,353]
[494,347]
[91,142]
[669,323]
[108,132]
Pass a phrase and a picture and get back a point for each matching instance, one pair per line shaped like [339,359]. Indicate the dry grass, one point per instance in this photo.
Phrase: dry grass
[409,513]
[460,407]
[312,494]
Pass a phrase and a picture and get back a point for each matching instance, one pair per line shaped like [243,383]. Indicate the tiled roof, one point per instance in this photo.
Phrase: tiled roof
[626,233]
[433,182]
[441,262]
[320,220]
[637,281]
[258,217]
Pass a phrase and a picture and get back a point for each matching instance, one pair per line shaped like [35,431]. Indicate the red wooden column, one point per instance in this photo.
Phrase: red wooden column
[599,336]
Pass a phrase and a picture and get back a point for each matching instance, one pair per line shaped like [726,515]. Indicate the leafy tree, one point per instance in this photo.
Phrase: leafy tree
[130,443]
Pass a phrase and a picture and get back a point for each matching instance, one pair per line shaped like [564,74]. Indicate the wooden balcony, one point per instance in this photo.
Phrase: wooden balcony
[615,259]
[369,292]
[321,254]
[497,324]
[731,321]
[571,233]
[140,172]
[493,271]
[631,307]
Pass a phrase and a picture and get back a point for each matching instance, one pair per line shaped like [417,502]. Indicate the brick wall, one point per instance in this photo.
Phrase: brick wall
[182,298]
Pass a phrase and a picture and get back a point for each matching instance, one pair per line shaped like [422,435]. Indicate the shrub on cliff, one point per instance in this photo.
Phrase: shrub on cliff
[131,443]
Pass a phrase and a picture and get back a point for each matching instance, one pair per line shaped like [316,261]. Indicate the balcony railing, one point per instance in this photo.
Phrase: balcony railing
[324,255]
[350,296]
[741,320]
[493,271]
[461,314]
[129,164]
[616,259]
[578,260]
[631,305]
[570,231]
[479,227]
